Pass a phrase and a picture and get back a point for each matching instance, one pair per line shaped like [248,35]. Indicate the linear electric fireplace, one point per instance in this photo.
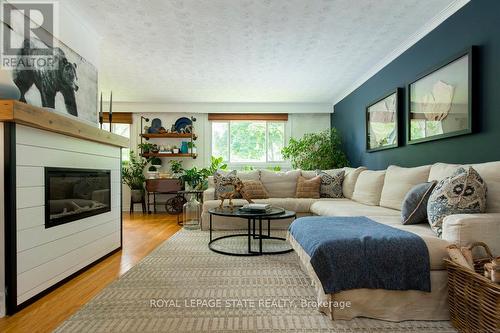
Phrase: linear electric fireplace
[73,194]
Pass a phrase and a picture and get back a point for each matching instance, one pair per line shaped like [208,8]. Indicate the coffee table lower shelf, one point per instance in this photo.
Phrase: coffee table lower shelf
[254,232]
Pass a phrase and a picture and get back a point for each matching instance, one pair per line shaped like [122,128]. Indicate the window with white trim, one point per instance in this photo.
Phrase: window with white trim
[123,130]
[248,141]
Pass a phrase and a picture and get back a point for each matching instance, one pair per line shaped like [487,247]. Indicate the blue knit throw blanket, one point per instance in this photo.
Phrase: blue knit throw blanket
[357,252]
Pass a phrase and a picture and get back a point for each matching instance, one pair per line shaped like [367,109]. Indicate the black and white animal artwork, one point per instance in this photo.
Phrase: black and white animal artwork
[69,87]
[49,82]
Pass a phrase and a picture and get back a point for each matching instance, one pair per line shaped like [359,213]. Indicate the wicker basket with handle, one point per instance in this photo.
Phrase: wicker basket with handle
[474,300]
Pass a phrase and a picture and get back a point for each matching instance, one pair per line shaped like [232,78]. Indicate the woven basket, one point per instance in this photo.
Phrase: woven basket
[473,299]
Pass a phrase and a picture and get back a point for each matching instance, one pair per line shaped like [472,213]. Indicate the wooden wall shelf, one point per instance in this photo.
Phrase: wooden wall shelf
[168,155]
[29,115]
[168,135]
[191,136]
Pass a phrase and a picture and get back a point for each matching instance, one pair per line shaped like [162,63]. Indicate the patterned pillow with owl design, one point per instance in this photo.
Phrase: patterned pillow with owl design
[464,192]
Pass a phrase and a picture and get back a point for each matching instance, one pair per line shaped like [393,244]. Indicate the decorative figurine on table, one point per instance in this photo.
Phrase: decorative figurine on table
[239,188]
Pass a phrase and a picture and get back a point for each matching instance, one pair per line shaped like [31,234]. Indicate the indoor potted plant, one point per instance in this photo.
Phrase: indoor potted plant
[156,162]
[133,175]
[316,151]
[216,163]
[193,178]
[196,179]
[152,172]
[192,147]
[155,149]
[176,168]
[145,147]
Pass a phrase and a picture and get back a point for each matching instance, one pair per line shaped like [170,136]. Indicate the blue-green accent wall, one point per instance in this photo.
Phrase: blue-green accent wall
[477,23]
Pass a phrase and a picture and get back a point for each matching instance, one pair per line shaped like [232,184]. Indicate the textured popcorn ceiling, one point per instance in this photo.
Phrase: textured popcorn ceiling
[246,50]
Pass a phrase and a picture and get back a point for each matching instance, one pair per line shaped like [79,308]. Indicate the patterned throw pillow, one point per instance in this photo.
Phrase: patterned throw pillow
[220,179]
[254,189]
[464,192]
[331,184]
[414,207]
[308,188]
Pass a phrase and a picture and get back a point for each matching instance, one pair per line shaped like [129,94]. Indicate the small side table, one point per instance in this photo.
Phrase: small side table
[160,186]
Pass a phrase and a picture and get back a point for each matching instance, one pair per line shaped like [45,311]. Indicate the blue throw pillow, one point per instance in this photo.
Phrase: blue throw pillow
[414,208]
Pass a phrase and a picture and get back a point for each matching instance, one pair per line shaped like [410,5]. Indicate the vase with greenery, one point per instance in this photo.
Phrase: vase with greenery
[133,175]
[314,151]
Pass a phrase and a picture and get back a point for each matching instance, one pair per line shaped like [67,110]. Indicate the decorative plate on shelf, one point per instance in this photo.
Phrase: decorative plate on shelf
[181,123]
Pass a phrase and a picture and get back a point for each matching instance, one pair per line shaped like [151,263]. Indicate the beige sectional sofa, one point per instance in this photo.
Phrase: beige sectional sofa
[379,195]
[281,187]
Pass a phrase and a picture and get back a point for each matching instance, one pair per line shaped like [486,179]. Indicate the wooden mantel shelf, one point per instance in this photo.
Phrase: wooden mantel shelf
[29,115]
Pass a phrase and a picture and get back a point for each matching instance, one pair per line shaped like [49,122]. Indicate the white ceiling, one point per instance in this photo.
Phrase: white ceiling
[293,51]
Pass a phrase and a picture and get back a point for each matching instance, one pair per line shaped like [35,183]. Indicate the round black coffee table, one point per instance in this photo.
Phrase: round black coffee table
[254,229]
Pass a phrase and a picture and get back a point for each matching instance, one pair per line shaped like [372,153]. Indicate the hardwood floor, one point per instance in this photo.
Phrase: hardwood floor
[141,234]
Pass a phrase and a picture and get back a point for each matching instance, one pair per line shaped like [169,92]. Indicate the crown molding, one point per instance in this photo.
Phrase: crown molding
[451,9]
[138,107]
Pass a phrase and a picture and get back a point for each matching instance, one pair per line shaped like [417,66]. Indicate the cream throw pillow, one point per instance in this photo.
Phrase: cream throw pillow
[308,188]
[399,181]
[350,178]
[280,184]
[369,187]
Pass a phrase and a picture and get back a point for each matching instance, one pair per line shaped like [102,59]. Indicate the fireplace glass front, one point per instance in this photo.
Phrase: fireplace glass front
[74,194]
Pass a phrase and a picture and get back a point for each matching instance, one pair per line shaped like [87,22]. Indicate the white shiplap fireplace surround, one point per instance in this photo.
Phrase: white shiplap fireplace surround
[37,258]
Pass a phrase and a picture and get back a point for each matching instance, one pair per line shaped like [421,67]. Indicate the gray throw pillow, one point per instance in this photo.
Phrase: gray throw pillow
[220,179]
[414,207]
[464,192]
[331,184]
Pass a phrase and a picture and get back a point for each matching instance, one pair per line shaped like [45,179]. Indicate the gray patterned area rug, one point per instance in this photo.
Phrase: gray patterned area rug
[182,286]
